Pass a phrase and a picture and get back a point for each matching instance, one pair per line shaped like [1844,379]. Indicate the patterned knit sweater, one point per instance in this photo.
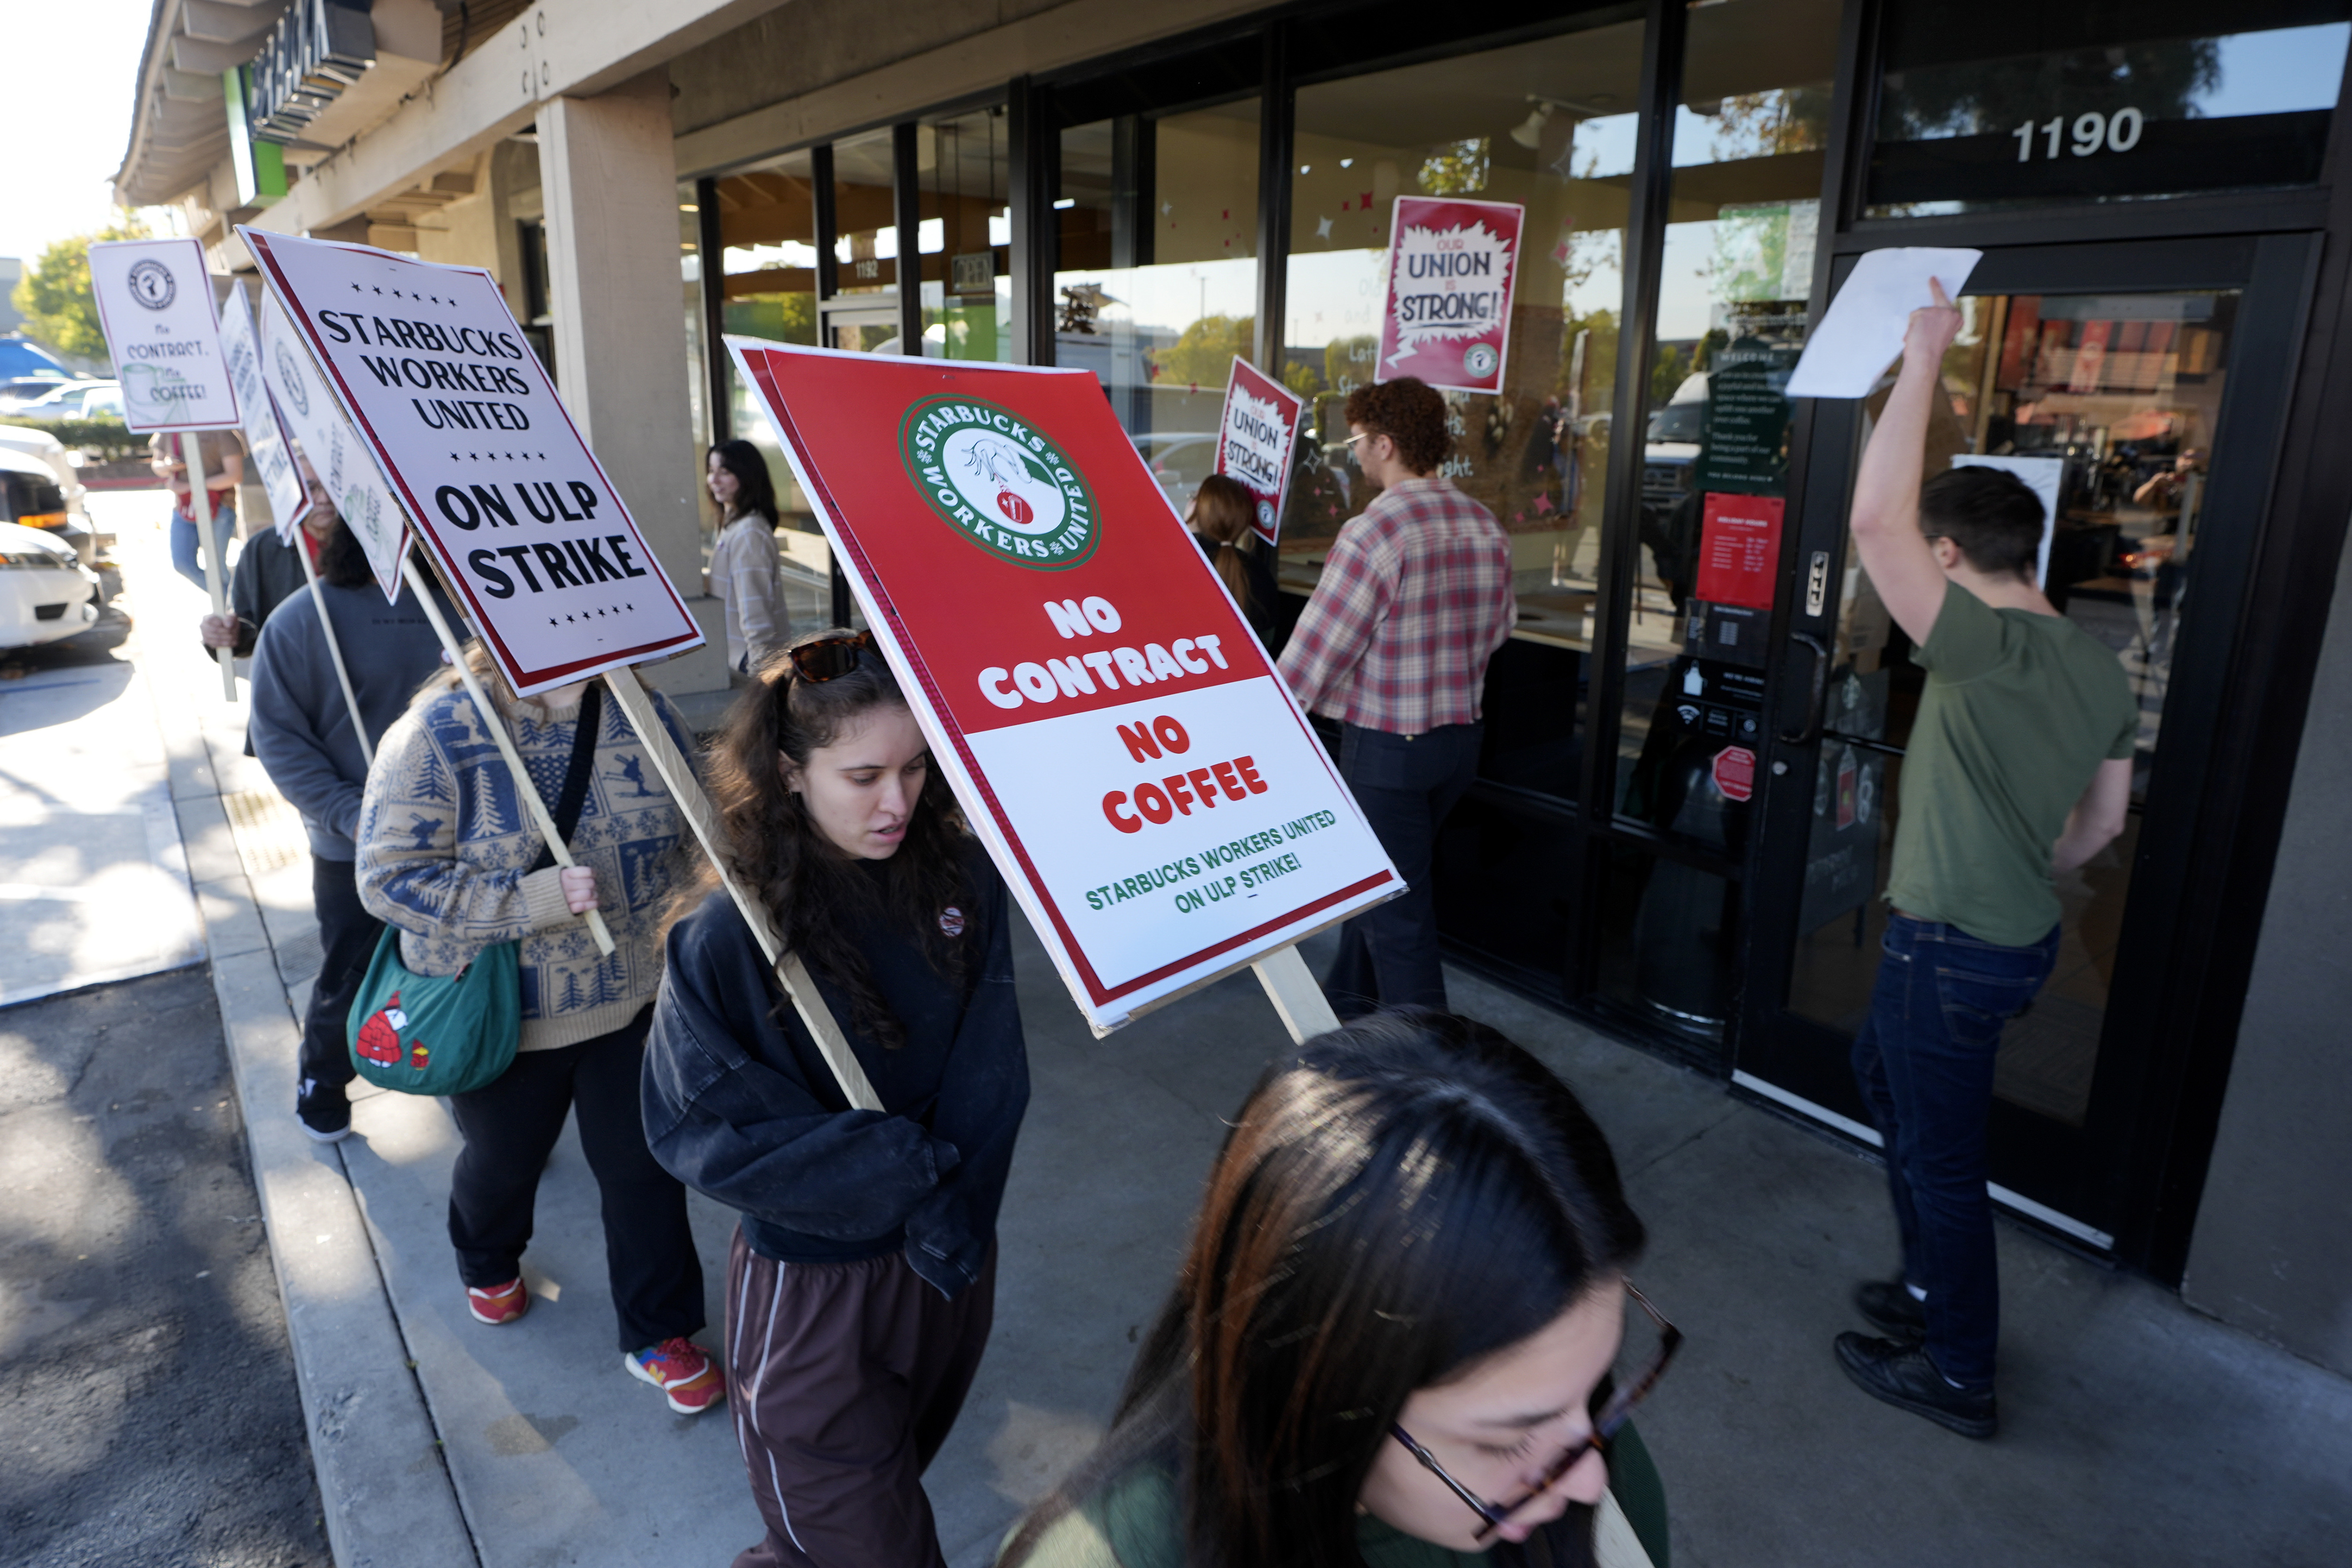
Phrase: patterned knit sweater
[446,847]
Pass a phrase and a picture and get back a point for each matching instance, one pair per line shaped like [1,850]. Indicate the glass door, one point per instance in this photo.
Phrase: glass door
[2112,382]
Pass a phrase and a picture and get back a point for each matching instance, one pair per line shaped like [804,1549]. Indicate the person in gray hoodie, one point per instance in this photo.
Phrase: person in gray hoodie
[301,731]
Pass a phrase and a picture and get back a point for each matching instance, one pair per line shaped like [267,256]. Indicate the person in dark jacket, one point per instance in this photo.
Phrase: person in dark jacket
[862,1280]
[269,573]
[302,731]
[1220,519]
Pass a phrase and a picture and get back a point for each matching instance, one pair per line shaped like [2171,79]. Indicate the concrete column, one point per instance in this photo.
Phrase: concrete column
[610,177]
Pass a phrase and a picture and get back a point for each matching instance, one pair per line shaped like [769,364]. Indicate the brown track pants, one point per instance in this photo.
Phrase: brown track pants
[844,1379]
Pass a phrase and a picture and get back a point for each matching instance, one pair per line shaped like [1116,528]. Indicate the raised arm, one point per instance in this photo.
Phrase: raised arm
[1901,564]
[2097,818]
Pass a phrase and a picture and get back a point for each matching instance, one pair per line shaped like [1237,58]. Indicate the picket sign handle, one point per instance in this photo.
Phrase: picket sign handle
[497,728]
[200,508]
[343,675]
[1297,1000]
[678,774]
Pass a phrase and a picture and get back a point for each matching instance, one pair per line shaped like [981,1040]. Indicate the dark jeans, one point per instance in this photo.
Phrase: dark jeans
[510,1128]
[1925,1065]
[348,934]
[1405,784]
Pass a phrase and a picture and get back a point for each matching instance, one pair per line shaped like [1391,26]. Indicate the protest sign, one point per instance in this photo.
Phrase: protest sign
[268,446]
[1452,265]
[434,372]
[1864,328]
[335,454]
[1254,439]
[163,331]
[1118,740]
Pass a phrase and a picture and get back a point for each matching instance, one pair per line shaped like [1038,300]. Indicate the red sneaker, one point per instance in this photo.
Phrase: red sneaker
[498,1306]
[683,1372]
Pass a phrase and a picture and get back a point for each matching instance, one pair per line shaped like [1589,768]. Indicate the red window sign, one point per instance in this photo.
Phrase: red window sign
[1739,550]
[1735,773]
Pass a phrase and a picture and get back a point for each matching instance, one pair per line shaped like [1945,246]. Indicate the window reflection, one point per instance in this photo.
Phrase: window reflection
[963,174]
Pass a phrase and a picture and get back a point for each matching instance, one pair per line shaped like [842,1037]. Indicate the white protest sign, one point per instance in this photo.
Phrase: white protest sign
[155,303]
[433,371]
[345,468]
[268,446]
[2043,474]
[1863,330]
[1135,765]
[1255,438]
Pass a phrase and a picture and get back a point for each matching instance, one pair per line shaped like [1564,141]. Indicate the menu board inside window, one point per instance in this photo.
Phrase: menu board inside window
[2011,105]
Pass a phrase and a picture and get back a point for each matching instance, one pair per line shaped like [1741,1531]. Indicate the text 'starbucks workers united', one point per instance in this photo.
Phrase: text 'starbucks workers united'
[1000,484]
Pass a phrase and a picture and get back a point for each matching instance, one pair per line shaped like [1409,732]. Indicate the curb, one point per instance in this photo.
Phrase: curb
[385,1487]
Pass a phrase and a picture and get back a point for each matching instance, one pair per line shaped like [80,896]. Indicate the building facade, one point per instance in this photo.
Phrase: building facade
[1695,739]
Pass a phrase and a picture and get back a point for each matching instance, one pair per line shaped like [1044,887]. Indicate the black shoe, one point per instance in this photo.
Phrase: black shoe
[1892,1309]
[1901,1376]
[324,1111]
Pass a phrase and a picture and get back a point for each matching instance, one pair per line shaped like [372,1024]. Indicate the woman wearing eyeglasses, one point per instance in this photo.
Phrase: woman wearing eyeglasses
[1393,1335]
[861,1284]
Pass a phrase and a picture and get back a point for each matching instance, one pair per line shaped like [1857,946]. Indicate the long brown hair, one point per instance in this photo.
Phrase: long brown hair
[1400,1199]
[816,893]
[1221,512]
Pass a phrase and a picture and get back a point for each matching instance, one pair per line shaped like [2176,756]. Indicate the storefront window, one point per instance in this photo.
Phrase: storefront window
[865,236]
[767,229]
[2013,105]
[1548,126]
[1737,269]
[1156,289]
[964,174]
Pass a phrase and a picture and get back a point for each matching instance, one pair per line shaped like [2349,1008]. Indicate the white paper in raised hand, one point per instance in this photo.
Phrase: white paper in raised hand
[1846,354]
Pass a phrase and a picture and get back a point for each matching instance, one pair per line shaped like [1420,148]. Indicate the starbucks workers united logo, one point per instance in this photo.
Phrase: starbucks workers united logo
[1000,483]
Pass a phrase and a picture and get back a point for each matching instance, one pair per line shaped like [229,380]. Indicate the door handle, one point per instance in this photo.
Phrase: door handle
[1817,698]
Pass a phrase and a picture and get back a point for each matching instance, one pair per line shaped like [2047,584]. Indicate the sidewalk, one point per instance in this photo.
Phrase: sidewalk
[2135,1432]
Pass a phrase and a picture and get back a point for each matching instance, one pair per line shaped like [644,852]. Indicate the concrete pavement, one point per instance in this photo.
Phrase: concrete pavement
[2135,1432]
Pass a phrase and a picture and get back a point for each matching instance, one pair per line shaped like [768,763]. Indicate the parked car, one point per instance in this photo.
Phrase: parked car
[15,391]
[44,594]
[1179,461]
[77,400]
[27,459]
[1670,451]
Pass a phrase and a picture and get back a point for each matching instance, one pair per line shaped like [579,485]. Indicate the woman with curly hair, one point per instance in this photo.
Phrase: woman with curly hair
[862,1280]
[1401,1336]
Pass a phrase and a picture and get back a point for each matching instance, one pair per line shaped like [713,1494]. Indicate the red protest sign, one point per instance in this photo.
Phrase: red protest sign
[1452,265]
[1254,440]
[1739,550]
[1118,738]
[435,375]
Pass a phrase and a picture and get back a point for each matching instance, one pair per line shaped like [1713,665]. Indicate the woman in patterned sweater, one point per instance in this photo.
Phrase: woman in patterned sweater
[448,854]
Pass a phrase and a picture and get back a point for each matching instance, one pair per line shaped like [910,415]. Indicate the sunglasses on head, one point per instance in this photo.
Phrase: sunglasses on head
[821,658]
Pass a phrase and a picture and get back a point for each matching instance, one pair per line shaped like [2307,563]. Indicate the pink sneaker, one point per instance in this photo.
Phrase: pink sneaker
[683,1372]
[500,1305]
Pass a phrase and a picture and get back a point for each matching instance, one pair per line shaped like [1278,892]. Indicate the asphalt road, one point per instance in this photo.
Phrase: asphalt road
[148,1413]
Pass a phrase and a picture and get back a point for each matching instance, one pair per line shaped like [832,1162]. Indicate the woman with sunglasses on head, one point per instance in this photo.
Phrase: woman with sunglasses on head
[1391,1342]
[861,1284]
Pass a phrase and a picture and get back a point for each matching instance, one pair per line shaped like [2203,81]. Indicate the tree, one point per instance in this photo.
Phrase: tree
[1204,355]
[55,298]
[1300,378]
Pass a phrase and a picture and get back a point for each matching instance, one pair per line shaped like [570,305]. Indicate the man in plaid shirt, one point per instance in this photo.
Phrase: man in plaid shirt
[1414,600]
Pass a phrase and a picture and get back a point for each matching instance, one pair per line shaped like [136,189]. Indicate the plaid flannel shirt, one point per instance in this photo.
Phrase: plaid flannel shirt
[1414,600]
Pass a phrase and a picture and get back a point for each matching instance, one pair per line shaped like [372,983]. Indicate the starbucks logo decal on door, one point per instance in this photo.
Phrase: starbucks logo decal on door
[999,483]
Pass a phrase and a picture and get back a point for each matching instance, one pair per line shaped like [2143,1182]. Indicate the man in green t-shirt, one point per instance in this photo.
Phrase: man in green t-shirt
[2019,769]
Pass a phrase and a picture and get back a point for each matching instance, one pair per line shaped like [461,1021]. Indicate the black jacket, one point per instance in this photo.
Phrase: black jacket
[740,1104]
[267,574]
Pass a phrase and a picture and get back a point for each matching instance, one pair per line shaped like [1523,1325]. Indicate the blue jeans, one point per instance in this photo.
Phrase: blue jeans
[1406,784]
[1924,1062]
[184,544]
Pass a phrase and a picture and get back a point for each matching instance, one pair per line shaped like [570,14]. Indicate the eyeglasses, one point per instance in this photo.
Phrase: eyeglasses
[1344,445]
[1605,1426]
[823,659]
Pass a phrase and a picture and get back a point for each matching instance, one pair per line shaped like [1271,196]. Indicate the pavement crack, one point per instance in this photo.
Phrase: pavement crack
[1684,1142]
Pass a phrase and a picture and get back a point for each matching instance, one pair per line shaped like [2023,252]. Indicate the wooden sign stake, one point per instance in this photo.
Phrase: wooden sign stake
[1297,1000]
[343,675]
[200,508]
[678,774]
[497,728]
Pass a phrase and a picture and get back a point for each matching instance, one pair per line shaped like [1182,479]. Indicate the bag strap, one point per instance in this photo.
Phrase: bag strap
[569,804]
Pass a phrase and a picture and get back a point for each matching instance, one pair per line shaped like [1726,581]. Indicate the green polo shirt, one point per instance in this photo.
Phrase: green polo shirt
[2019,711]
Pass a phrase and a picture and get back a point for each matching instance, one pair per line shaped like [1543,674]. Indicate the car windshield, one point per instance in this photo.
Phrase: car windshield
[22,496]
[1678,421]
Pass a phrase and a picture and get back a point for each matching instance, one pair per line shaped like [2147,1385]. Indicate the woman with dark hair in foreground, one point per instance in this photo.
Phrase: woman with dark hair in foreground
[1392,1338]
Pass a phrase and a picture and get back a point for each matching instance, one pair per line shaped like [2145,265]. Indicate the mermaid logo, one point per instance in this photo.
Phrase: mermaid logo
[1000,483]
[290,376]
[152,285]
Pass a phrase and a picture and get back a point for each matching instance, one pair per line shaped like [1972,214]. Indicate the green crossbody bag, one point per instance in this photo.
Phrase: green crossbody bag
[446,1034]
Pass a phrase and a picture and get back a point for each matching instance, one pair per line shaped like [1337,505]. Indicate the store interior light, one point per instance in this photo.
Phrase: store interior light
[1530,131]
[1065,204]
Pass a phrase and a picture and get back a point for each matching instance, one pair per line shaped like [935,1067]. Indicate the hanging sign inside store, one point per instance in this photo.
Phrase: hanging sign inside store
[1452,265]
[1739,550]
[1118,740]
[433,371]
[268,448]
[1254,440]
[163,331]
[362,499]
